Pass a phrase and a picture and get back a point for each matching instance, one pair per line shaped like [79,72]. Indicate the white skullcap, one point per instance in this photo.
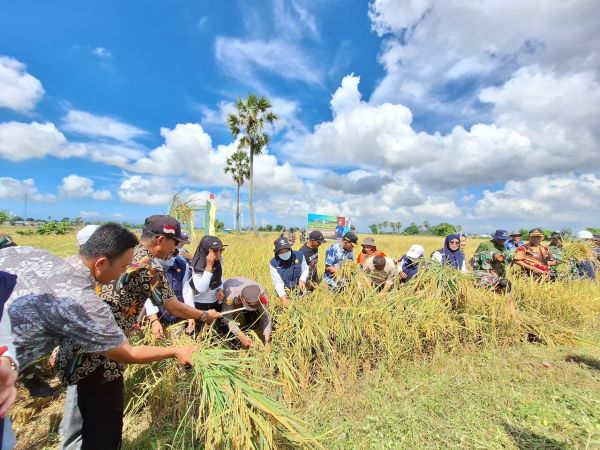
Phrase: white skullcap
[84,234]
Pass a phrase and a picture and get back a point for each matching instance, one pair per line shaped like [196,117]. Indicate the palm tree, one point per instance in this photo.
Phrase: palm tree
[250,119]
[238,165]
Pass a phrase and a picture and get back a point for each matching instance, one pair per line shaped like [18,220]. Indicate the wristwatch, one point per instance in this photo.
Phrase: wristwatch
[204,316]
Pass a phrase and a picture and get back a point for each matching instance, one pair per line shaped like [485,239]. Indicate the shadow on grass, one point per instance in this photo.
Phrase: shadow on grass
[589,362]
[528,440]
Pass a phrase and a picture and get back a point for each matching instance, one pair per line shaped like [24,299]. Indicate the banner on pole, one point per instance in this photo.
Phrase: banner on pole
[210,213]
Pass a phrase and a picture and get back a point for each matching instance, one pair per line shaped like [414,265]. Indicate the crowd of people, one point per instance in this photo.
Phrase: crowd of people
[84,309]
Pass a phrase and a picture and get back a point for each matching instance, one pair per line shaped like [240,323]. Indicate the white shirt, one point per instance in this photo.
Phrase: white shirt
[278,281]
[437,257]
[6,337]
[188,297]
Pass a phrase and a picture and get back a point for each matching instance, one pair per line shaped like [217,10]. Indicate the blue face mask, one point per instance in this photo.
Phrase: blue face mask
[285,256]
[167,262]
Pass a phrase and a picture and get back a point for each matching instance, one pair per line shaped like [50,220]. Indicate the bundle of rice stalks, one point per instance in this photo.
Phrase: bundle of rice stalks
[578,250]
[221,403]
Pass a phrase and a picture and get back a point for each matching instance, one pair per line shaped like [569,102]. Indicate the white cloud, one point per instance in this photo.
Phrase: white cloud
[12,188]
[94,126]
[559,199]
[293,19]
[246,59]
[102,53]
[188,151]
[435,48]
[20,141]
[74,186]
[19,90]
[286,110]
[382,137]
[146,191]
[89,214]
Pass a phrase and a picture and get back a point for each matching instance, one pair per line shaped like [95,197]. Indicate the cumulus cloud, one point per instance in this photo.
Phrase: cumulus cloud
[438,54]
[188,151]
[557,199]
[74,186]
[146,191]
[382,136]
[19,90]
[11,188]
[20,141]
[104,127]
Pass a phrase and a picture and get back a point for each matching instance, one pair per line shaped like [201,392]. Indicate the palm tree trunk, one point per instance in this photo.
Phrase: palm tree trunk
[251,194]
[237,209]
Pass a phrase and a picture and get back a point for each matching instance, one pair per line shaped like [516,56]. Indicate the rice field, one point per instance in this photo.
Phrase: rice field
[435,364]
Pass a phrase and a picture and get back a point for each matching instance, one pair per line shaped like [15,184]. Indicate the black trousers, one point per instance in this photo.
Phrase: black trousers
[101,406]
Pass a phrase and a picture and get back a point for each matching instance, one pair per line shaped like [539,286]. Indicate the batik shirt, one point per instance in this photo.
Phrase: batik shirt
[54,303]
[335,256]
[483,259]
[143,279]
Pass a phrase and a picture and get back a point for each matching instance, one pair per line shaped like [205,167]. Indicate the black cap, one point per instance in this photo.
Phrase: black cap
[281,243]
[213,242]
[350,237]
[556,235]
[316,235]
[165,226]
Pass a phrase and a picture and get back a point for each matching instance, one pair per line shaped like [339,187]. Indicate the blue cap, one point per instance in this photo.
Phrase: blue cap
[501,234]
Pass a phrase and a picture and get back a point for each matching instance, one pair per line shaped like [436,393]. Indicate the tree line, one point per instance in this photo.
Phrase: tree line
[392,227]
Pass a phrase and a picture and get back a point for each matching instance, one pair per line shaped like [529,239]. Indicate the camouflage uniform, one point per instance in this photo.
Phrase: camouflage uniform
[484,258]
[489,271]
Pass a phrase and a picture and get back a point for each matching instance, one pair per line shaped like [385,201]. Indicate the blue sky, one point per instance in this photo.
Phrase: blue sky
[390,110]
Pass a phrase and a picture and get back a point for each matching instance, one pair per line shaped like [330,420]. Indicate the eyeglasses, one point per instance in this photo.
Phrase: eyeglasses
[454,242]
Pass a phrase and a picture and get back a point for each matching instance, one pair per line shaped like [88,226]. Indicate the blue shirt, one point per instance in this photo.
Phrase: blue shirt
[509,245]
[335,256]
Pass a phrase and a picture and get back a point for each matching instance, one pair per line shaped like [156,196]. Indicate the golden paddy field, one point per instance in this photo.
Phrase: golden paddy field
[435,364]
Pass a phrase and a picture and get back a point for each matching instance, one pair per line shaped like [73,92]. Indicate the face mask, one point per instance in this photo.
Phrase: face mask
[167,262]
[285,256]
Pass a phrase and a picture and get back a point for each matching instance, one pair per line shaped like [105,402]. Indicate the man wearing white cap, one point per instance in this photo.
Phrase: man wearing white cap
[586,268]
[408,266]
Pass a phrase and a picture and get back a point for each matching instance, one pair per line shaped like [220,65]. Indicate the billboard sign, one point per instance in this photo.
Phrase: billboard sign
[332,227]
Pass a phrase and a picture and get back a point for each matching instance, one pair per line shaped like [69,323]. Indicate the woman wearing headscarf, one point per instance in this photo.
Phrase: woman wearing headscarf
[207,266]
[451,253]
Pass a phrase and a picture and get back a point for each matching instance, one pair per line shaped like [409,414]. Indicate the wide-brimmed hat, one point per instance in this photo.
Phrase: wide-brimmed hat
[368,241]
